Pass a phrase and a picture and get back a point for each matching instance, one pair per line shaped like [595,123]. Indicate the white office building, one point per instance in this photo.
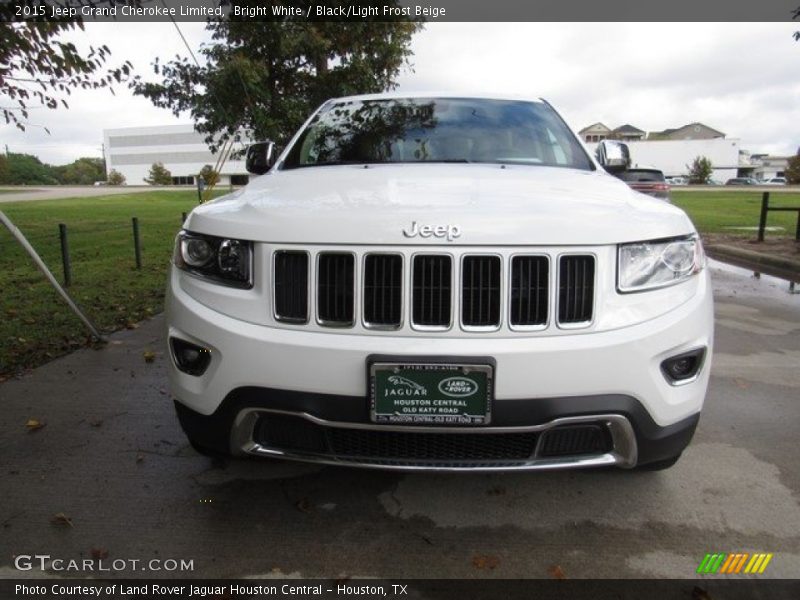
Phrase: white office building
[133,150]
[674,157]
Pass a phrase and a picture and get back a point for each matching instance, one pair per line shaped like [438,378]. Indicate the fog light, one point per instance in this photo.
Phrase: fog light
[683,366]
[190,358]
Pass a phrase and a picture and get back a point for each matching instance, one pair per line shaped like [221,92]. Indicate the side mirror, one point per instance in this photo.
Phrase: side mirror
[613,156]
[260,157]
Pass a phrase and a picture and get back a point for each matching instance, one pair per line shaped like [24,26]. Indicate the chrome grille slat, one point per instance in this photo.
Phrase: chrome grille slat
[383,288]
[291,286]
[432,287]
[335,289]
[576,288]
[529,290]
[480,291]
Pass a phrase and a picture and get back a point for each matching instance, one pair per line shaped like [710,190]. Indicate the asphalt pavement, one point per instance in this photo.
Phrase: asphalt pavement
[109,474]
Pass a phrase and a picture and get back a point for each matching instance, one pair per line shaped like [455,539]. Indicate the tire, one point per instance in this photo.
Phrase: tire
[659,465]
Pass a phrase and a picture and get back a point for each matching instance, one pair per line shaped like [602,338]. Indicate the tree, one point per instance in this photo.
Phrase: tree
[266,77]
[700,170]
[26,169]
[209,175]
[3,169]
[37,69]
[792,172]
[84,171]
[159,175]
[115,178]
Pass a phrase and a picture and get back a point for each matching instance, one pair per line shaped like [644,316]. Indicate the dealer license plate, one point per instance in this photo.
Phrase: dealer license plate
[431,394]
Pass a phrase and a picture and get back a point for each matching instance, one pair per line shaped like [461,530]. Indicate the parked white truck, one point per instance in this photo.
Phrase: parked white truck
[440,282]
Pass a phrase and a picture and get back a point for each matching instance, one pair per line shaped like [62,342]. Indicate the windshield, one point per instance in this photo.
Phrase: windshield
[419,130]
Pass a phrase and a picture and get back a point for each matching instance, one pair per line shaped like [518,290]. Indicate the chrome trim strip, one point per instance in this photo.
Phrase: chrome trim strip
[377,327]
[556,302]
[273,297]
[335,324]
[510,287]
[624,453]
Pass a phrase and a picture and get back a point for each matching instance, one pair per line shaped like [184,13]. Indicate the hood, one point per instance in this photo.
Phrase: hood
[471,204]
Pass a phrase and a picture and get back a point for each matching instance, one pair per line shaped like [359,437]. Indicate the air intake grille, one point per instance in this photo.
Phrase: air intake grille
[383,288]
[335,272]
[578,439]
[529,290]
[291,286]
[576,289]
[431,302]
[480,291]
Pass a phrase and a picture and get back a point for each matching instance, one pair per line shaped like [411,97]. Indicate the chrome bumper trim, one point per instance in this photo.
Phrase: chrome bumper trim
[623,454]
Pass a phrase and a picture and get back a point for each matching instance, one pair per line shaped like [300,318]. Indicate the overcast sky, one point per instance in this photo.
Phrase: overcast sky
[742,79]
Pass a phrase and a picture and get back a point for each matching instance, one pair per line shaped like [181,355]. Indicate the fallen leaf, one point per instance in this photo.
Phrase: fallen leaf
[139,458]
[34,424]
[131,325]
[99,553]
[556,572]
[149,356]
[61,519]
[481,561]
[303,505]
[497,491]
[96,422]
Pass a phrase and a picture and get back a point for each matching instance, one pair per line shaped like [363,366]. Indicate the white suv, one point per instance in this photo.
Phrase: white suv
[445,283]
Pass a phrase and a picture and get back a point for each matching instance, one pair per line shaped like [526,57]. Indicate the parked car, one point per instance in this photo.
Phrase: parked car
[677,180]
[775,181]
[647,180]
[741,181]
[440,283]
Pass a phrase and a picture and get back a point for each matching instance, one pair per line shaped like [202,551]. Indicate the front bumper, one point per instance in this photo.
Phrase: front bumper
[611,378]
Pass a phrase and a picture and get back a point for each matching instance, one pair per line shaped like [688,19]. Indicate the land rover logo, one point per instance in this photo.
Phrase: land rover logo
[449,232]
[458,387]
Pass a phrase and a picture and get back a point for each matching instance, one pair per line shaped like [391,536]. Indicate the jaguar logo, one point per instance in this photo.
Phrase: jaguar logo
[405,387]
[458,387]
[449,232]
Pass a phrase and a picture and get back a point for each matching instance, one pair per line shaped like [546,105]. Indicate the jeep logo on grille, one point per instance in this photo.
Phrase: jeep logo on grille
[449,232]
[458,387]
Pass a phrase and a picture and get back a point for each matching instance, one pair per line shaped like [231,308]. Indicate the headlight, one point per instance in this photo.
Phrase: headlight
[223,260]
[649,265]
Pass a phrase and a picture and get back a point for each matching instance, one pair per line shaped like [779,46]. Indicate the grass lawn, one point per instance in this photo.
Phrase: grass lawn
[35,324]
[716,212]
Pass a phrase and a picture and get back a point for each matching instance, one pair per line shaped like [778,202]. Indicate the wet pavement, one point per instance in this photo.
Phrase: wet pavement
[112,460]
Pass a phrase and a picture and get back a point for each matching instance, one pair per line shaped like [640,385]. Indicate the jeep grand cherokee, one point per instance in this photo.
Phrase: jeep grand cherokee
[433,282]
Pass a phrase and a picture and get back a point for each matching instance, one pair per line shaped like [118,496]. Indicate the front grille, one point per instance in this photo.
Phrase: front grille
[372,289]
[432,290]
[291,286]
[575,439]
[383,289]
[294,434]
[576,288]
[529,290]
[289,433]
[335,288]
[480,291]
